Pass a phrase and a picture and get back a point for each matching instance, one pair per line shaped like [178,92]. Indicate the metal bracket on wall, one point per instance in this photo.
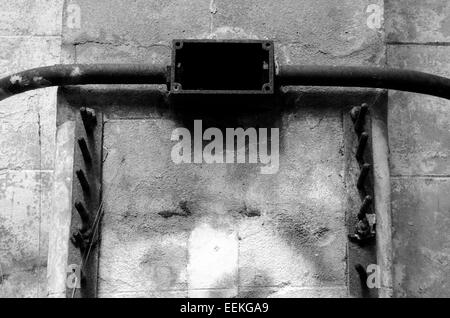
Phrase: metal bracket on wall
[87,205]
[365,228]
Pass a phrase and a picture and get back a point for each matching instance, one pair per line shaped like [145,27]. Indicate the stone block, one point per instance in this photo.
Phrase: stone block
[24,284]
[310,32]
[137,23]
[417,21]
[25,204]
[295,292]
[30,17]
[419,125]
[201,210]
[28,121]
[420,237]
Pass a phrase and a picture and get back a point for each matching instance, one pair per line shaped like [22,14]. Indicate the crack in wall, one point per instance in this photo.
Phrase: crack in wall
[212,12]
[117,44]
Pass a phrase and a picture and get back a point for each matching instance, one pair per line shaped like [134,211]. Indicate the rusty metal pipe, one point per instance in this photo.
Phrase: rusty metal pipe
[364,76]
[289,75]
[81,74]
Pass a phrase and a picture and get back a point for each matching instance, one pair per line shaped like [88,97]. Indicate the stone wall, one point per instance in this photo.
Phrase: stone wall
[44,32]
[418,35]
[30,36]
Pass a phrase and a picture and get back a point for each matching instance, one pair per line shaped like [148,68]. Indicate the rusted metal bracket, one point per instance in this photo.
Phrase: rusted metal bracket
[87,207]
[365,228]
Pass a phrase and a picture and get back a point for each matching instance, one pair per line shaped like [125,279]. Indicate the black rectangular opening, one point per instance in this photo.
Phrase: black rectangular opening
[222,67]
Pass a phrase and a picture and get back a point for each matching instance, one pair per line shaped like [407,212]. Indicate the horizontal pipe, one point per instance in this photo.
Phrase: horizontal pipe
[81,74]
[364,76]
[289,75]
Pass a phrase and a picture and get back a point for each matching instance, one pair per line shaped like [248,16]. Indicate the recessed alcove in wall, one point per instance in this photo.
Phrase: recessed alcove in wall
[226,230]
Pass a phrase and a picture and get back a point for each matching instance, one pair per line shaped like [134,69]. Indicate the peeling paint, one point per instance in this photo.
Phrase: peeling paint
[15,79]
[75,72]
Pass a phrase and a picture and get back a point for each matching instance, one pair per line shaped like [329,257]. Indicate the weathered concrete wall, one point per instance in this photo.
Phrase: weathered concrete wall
[29,37]
[305,31]
[332,32]
[221,248]
[418,34]
[296,244]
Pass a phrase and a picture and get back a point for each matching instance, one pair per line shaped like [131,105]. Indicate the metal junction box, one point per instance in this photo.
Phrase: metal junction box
[222,67]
